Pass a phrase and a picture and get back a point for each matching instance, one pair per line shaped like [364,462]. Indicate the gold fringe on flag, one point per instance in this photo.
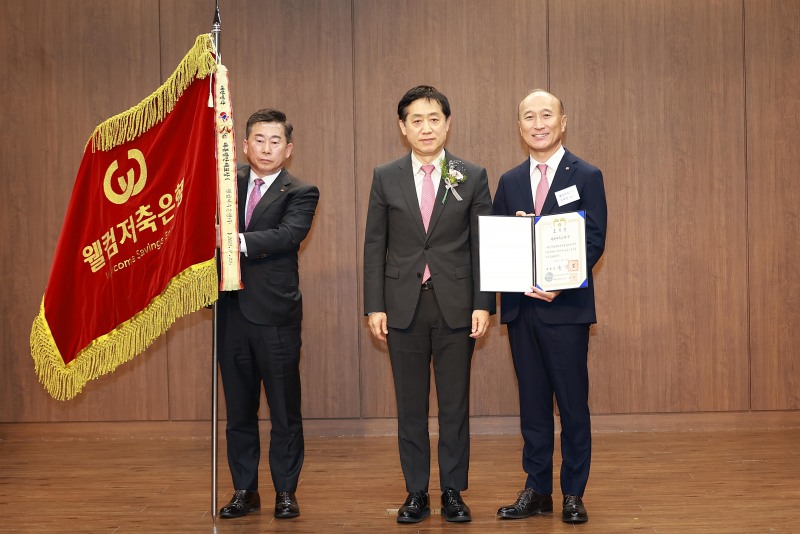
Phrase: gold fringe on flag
[199,62]
[189,291]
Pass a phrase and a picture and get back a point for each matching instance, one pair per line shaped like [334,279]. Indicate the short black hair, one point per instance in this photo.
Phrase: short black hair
[270,115]
[427,92]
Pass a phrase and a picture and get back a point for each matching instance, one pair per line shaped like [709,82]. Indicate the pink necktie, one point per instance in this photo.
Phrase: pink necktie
[255,196]
[541,189]
[426,206]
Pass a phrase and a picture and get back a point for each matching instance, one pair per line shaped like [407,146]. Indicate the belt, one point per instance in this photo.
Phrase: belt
[427,285]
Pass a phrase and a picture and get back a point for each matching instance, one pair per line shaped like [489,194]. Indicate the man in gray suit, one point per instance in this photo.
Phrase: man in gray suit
[422,294]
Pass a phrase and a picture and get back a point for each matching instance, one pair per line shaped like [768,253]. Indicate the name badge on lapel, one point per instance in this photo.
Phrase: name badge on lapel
[565,196]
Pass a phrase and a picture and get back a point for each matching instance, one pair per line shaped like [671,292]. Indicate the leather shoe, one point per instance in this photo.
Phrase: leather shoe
[243,503]
[415,509]
[453,507]
[574,511]
[528,503]
[286,506]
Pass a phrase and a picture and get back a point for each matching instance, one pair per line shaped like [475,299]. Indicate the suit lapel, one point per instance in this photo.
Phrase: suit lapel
[242,180]
[438,205]
[560,181]
[273,193]
[523,184]
[405,174]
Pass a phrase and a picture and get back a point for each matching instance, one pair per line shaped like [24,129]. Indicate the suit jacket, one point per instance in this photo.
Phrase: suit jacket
[396,246]
[280,221]
[573,306]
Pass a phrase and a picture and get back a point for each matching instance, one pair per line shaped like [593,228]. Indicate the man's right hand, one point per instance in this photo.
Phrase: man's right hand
[377,325]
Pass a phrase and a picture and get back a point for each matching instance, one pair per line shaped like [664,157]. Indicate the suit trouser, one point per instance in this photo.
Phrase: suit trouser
[410,351]
[251,354]
[551,359]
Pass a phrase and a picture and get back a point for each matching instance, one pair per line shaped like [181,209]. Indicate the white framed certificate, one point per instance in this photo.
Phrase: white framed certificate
[547,251]
[506,253]
[560,249]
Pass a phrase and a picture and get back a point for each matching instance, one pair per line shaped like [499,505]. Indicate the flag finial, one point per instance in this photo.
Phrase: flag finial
[216,28]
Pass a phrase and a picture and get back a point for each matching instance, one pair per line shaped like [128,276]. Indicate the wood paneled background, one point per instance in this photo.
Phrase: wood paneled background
[691,108]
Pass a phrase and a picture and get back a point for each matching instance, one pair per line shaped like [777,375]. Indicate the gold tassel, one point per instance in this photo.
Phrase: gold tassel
[189,291]
[199,62]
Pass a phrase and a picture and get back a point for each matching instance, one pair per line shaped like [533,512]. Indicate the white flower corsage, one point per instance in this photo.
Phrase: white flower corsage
[452,174]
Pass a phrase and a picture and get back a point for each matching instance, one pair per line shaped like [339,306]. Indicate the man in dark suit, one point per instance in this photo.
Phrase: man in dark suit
[421,293]
[549,331]
[259,326]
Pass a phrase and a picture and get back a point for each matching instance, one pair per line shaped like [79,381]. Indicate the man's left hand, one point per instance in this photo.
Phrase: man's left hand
[480,323]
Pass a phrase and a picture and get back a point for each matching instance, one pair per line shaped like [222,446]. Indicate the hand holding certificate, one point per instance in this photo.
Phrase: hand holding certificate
[548,252]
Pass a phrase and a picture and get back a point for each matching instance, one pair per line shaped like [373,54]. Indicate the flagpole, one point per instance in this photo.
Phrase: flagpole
[216,28]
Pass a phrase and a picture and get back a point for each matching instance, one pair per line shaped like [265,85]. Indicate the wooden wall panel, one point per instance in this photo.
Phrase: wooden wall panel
[483,56]
[773,153]
[67,66]
[694,311]
[655,95]
[295,56]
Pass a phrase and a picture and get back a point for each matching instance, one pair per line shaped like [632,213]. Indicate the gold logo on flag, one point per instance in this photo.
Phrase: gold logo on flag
[129,184]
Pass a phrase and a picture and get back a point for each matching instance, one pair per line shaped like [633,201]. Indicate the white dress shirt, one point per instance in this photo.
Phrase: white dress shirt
[419,174]
[250,185]
[552,167]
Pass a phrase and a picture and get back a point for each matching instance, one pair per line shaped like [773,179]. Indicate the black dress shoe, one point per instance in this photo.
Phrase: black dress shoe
[574,510]
[415,509]
[243,503]
[528,503]
[286,506]
[453,508]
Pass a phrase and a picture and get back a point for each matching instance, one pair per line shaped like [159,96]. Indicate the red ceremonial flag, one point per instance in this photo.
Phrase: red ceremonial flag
[137,249]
